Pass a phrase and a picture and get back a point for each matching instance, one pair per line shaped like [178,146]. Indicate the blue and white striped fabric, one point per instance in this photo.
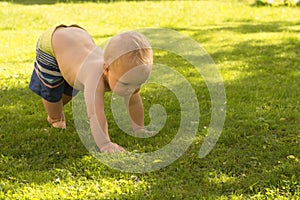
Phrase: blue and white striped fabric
[47,70]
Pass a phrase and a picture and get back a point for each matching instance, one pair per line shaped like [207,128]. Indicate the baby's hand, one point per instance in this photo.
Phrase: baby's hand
[112,148]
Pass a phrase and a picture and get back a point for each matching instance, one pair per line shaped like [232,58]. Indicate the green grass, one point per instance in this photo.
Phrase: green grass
[257,156]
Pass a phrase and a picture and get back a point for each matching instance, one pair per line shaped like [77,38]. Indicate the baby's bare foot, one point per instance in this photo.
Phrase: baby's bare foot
[60,123]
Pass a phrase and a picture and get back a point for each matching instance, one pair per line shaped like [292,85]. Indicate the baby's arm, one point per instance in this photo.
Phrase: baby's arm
[89,78]
[136,110]
[95,107]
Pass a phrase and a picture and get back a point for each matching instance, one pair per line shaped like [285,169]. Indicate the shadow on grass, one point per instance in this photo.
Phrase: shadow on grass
[203,34]
[259,147]
[262,124]
[29,146]
[34,155]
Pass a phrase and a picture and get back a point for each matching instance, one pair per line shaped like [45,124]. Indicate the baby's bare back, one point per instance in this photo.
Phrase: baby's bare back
[71,46]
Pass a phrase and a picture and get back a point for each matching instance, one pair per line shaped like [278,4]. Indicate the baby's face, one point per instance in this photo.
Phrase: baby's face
[126,79]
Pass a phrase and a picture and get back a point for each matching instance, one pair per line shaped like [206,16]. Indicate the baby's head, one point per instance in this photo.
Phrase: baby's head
[128,62]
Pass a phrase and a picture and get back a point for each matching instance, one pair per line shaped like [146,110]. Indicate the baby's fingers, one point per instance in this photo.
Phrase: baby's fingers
[121,149]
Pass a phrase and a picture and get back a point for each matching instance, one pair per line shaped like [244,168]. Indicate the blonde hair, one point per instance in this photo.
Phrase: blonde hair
[129,43]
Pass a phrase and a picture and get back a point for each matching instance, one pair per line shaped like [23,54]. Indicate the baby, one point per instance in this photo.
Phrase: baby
[68,60]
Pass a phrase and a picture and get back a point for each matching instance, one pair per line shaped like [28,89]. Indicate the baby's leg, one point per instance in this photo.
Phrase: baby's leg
[55,112]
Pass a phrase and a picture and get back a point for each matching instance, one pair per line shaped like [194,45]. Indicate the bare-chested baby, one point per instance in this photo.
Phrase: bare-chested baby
[68,60]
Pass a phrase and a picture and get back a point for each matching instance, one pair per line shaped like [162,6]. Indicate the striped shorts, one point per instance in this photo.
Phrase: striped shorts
[47,80]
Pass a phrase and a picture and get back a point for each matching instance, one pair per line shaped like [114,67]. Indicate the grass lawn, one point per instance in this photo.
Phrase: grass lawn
[256,50]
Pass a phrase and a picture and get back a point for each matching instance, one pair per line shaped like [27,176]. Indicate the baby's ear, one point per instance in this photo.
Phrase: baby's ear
[105,68]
